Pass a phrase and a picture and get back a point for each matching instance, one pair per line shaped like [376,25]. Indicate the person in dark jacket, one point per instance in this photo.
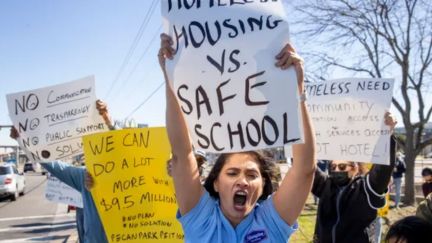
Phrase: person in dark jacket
[397,175]
[323,166]
[427,184]
[348,200]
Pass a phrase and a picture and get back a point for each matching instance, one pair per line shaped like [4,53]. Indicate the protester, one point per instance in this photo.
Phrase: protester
[348,201]
[397,175]
[103,112]
[75,177]
[237,204]
[376,225]
[410,229]
[89,225]
[424,209]
[427,178]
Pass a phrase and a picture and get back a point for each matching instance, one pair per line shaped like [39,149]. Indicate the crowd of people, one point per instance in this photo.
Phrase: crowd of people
[242,200]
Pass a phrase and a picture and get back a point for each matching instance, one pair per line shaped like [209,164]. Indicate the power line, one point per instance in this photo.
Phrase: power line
[145,101]
[133,46]
[139,61]
[144,53]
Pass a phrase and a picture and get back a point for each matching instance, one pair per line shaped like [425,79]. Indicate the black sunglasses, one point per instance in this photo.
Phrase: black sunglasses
[342,167]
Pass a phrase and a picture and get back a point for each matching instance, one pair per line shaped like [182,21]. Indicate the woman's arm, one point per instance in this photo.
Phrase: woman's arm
[319,182]
[291,196]
[380,175]
[184,166]
[66,173]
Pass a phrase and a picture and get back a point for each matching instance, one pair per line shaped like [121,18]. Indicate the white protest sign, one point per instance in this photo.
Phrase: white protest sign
[51,120]
[224,75]
[57,191]
[348,117]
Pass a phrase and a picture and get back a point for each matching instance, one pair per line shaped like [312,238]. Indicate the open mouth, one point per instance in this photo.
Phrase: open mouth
[240,198]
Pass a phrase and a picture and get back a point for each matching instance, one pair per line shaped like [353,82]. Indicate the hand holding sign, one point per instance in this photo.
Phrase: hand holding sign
[166,50]
[14,133]
[288,56]
[88,181]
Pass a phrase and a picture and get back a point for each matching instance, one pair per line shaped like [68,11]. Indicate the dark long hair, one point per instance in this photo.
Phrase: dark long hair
[266,166]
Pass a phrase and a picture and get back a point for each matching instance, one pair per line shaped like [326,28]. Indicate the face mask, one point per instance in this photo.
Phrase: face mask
[339,178]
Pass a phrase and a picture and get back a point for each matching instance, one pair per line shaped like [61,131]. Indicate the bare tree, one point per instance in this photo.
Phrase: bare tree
[377,38]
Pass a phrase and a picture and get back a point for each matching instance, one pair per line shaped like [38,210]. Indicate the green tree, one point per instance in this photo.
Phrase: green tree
[377,38]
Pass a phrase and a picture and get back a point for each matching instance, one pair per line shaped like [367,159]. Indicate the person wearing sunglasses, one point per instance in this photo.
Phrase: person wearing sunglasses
[349,199]
[427,181]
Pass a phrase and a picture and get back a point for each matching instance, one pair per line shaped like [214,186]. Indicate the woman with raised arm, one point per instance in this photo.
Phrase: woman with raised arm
[237,203]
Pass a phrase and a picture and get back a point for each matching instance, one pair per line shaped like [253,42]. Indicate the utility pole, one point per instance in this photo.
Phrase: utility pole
[5,126]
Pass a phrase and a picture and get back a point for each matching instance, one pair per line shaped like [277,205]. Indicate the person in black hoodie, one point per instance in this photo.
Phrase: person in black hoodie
[349,201]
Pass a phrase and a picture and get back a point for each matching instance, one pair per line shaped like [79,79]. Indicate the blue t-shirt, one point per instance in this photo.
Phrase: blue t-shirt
[206,223]
[74,177]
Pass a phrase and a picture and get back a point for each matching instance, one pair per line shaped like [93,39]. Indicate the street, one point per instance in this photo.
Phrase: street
[33,218]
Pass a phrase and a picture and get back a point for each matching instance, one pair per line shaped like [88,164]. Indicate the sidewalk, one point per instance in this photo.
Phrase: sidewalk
[73,237]
[72,233]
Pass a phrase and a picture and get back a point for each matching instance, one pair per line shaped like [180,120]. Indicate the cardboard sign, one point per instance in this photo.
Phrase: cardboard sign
[348,117]
[133,193]
[224,75]
[51,120]
[57,191]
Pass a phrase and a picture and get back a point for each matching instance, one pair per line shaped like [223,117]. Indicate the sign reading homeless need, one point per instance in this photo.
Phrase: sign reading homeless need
[224,75]
[348,117]
[51,120]
[133,193]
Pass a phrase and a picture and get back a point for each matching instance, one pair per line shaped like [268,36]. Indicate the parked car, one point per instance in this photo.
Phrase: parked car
[29,167]
[34,167]
[12,183]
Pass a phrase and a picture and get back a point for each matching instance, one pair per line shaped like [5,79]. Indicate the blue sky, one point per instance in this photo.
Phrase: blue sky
[48,42]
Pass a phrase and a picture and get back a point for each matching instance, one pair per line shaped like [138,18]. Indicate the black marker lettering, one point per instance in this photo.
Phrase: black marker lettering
[184,100]
[248,101]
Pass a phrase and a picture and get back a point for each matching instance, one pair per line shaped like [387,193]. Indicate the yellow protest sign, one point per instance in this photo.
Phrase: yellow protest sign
[133,193]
